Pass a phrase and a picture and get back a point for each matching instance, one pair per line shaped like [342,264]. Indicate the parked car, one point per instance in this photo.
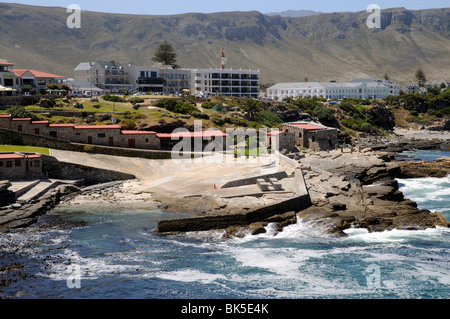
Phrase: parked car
[139,93]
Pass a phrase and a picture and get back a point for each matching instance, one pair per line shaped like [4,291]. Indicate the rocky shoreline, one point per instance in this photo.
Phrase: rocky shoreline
[348,189]
[352,187]
[20,216]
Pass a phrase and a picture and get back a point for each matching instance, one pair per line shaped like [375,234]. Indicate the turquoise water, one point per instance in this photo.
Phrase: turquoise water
[118,255]
[427,155]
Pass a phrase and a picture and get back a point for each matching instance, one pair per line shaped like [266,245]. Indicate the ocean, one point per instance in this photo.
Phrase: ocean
[75,253]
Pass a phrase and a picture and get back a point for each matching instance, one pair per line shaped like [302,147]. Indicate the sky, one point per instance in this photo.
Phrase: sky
[159,7]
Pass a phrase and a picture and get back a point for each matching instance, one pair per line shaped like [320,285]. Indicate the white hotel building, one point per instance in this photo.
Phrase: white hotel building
[360,89]
[225,82]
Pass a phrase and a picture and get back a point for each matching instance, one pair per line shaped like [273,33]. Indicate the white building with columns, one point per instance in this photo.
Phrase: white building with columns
[359,89]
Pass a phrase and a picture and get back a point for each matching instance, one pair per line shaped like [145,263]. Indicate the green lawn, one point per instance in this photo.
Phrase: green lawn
[26,149]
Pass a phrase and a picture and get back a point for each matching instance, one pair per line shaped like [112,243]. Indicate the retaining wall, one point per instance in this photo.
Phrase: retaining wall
[61,170]
[224,221]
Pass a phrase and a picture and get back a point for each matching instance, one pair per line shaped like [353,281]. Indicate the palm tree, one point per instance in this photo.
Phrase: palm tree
[252,107]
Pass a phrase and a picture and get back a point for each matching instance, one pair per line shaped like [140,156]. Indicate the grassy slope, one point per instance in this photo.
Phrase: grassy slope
[26,149]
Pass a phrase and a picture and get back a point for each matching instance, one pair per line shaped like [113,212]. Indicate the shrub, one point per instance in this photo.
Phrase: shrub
[218,121]
[208,105]
[136,100]
[51,102]
[175,106]
[200,115]
[89,148]
[113,98]
[413,113]
[324,115]
[20,112]
[269,119]
[366,127]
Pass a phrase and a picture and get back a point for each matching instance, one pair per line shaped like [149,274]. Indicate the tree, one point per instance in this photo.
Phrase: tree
[20,112]
[443,86]
[420,78]
[252,107]
[434,90]
[166,55]
[386,76]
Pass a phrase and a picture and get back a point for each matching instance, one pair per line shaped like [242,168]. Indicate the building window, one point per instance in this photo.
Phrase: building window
[37,163]
[1,164]
[18,163]
[36,131]
[9,164]
[19,128]
[101,135]
[313,139]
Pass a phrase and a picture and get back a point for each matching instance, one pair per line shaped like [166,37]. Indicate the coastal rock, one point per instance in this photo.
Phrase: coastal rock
[27,214]
[421,169]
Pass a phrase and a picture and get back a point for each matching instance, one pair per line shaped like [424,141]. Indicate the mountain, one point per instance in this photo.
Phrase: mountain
[293,13]
[327,46]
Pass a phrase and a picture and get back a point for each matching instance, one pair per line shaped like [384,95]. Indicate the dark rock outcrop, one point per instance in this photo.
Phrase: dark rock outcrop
[26,215]
[6,196]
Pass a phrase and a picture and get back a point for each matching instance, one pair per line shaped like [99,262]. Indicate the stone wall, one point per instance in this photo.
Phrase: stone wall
[243,219]
[10,137]
[97,136]
[20,168]
[322,140]
[61,170]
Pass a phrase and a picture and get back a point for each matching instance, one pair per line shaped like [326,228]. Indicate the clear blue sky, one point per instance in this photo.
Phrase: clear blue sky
[161,7]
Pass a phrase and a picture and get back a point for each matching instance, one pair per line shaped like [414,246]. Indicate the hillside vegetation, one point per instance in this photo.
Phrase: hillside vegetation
[353,117]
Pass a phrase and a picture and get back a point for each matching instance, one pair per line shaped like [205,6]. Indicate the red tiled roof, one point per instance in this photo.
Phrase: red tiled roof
[98,127]
[62,125]
[18,156]
[39,122]
[37,74]
[34,156]
[25,119]
[275,133]
[4,63]
[310,127]
[193,134]
[5,115]
[10,156]
[138,133]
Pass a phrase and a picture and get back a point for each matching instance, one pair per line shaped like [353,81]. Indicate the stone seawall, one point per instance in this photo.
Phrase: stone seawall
[204,223]
[62,170]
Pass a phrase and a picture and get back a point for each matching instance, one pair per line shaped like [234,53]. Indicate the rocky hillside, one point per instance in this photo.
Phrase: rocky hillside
[332,46]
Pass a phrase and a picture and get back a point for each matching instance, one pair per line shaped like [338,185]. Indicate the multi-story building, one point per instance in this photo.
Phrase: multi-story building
[175,80]
[145,79]
[34,81]
[111,77]
[7,76]
[226,82]
[26,80]
[359,89]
